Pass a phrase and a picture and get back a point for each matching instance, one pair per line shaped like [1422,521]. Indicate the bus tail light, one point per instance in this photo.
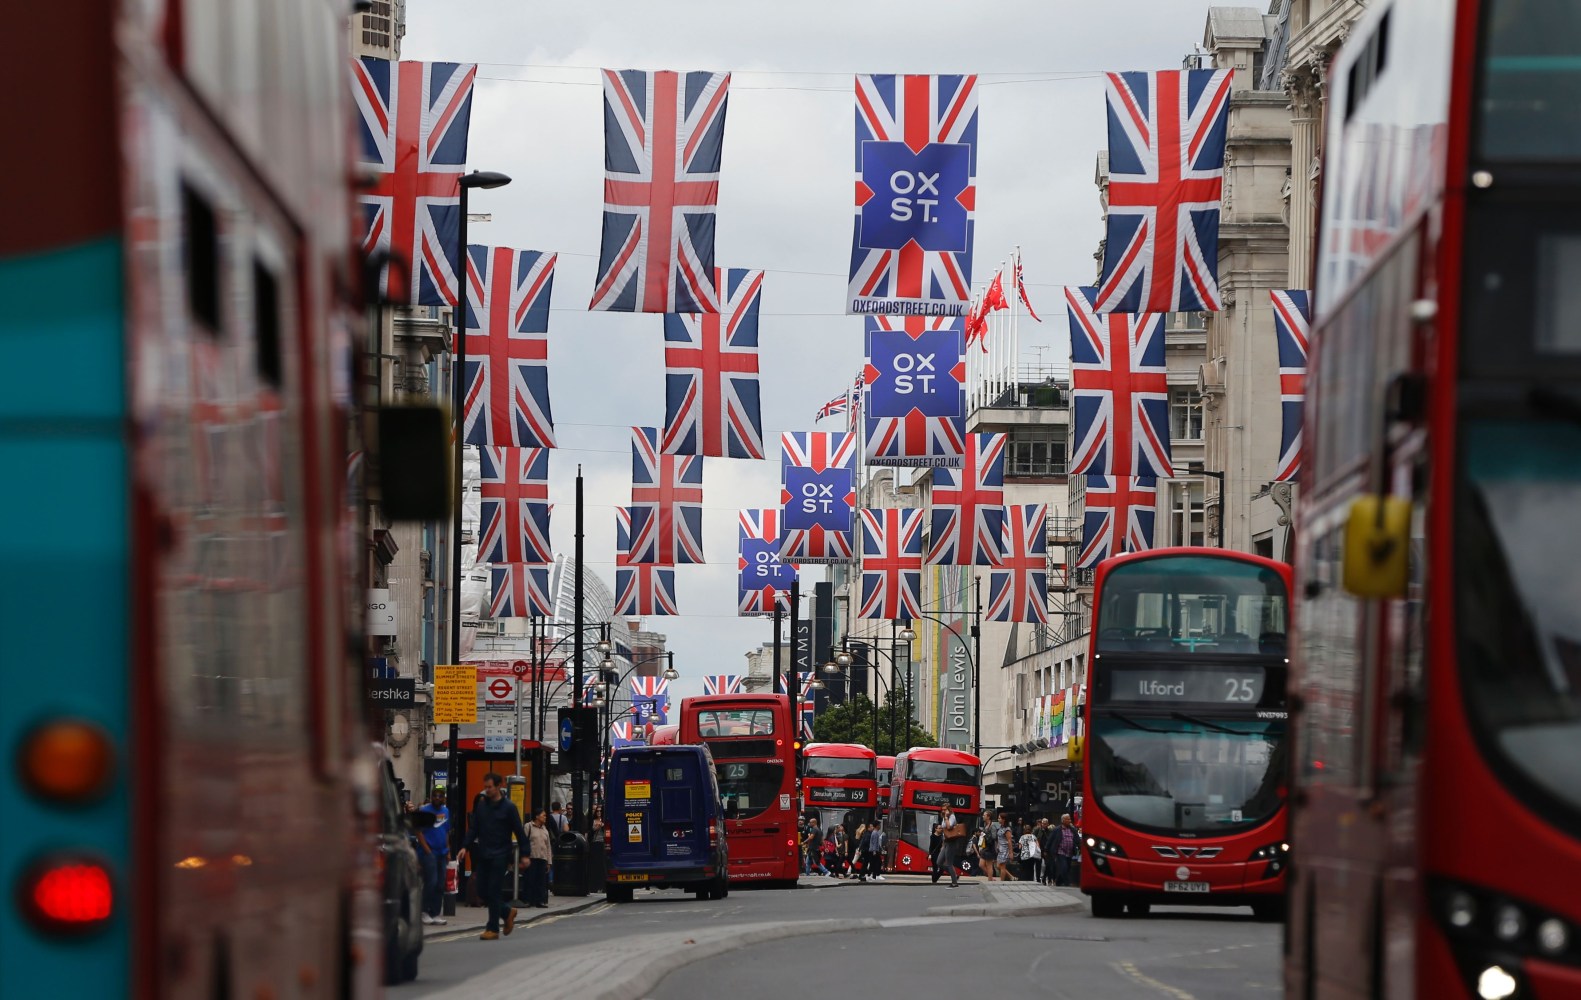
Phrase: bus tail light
[69,760]
[67,894]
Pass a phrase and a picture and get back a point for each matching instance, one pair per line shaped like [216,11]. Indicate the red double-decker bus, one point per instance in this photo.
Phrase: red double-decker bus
[1437,678]
[925,779]
[839,784]
[753,740]
[1185,759]
[886,768]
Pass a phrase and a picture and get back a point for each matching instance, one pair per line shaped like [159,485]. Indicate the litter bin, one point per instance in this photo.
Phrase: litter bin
[570,865]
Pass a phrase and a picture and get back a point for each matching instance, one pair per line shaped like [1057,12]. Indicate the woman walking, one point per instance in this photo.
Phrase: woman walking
[952,838]
[1031,855]
[1004,841]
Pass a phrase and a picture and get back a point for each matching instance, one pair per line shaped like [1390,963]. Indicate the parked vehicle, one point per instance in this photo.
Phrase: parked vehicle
[402,882]
[666,823]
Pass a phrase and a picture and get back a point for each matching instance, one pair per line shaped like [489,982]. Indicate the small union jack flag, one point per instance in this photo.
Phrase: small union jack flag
[620,734]
[1118,517]
[722,684]
[649,687]
[764,578]
[663,136]
[803,678]
[518,591]
[891,564]
[640,588]
[653,710]
[1293,325]
[809,716]
[515,507]
[413,119]
[818,496]
[1119,391]
[968,513]
[666,503]
[835,407]
[508,347]
[711,374]
[916,194]
[1019,591]
[1166,182]
[914,391]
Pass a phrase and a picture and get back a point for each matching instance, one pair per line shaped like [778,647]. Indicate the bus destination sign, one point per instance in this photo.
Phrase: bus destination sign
[935,798]
[1213,686]
[825,793]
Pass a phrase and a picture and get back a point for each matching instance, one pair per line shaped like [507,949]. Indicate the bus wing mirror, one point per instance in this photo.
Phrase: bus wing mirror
[1077,751]
[1377,547]
[414,463]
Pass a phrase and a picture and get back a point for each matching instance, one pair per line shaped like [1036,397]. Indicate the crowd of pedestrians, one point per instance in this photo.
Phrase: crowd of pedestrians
[857,854]
[1044,852]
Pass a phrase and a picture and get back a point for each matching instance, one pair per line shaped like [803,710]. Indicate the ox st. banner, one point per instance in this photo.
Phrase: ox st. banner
[914,387]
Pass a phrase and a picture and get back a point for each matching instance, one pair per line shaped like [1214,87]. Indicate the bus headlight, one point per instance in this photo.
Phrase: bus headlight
[1277,855]
[1496,984]
[1491,934]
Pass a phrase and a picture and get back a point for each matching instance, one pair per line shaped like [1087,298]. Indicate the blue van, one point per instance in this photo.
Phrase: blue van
[666,823]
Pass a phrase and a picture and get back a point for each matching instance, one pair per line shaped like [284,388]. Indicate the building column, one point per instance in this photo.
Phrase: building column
[1304,124]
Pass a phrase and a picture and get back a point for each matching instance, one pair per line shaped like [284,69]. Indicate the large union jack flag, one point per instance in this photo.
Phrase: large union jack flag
[1119,391]
[968,514]
[1293,325]
[916,195]
[666,503]
[663,136]
[1166,181]
[914,395]
[519,592]
[711,374]
[514,483]
[764,578]
[1018,592]
[508,347]
[1118,515]
[640,588]
[891,564]
[722,684]
[817,495]
[413,119]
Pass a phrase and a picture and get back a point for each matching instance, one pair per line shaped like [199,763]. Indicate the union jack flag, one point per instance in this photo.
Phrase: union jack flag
[818,496]
[764,578]
[1293,325]
[663,135]
[413,118]
[914,389]
[809,715]
[1019,591]
[508,347]
[722,684]
[514,483]
[1118,517]
[649,687]
[666,503]
[916,191]
[518,591]
[833,408]
[803,678]
[650,701]
[968,514]
[1166,181]
[640,588]
[711,374]
[1120,391]
[620,734]
[891,564]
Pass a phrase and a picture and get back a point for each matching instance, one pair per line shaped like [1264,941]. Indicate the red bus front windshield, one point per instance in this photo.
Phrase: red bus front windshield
[1188,705]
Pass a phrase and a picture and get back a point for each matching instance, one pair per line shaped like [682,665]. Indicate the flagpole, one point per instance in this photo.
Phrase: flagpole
[1015,324]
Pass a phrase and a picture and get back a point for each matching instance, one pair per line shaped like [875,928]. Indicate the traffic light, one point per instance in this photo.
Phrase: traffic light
[579,738]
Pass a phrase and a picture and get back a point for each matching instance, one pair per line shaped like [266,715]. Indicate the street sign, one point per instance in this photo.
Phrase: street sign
[392,693]
[501,689]
[499,731]
[520,667]
[381,613]
[455,694]
[567,734]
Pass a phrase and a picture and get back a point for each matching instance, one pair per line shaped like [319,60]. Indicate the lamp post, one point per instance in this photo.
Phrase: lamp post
[476,179]
[973,657]
[1196,469]
[609,687]
[843,660]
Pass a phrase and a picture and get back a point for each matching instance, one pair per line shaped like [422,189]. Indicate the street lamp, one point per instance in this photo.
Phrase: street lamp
[1196,469]
[609,687]
[843,659]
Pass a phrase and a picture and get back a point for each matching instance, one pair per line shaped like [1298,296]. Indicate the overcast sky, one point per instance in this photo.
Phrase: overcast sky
[784,205]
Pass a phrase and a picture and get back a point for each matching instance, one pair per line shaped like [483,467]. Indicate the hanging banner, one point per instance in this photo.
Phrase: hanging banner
[1056,730]
[914,392]
[650,700]
[641,589]
[1119,391]
[1117,517]
[514,484]
[517,591]
[818,496]
[666,503]
[967,513]
[891,564]
[711,374]
[1018,589]
[916,195]
[508,295]
[763,577]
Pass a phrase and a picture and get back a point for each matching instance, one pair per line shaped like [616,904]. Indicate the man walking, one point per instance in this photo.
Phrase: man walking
[434,841]
[557,821]
[874,850]
[814,844]
[1064,850]
[494,822]
[539,852]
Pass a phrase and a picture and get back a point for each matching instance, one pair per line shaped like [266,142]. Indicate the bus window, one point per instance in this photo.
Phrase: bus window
[933,770]
[839,767]
[748,788]
[1189,604]
[736,722]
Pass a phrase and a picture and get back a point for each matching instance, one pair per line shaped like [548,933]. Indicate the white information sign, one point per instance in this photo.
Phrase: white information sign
[499,731]
[381,613]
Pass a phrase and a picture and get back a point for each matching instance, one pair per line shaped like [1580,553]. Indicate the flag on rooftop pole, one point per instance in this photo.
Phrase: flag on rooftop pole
[663,140]
[1166,184]
[508,347]
[1119,391]
[1021,288]
[413,119]
[916,191]
[1293,327]
[711,374]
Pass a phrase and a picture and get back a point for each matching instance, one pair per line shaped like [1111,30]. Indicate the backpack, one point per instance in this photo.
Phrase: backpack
[981,843]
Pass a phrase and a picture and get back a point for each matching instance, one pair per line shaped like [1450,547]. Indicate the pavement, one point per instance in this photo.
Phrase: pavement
[469,921]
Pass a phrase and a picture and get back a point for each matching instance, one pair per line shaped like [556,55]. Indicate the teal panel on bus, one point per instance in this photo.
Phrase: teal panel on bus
[64,551]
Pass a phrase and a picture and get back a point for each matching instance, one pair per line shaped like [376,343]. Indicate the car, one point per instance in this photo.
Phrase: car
[666,823]
[401,882]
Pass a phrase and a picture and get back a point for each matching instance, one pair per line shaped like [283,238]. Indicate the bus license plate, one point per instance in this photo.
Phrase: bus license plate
[1185,887]
[631,878]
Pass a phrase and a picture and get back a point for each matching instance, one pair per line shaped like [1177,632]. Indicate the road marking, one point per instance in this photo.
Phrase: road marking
[1131,972]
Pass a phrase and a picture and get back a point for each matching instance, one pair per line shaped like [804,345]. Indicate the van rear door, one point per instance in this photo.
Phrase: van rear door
[683,821]
[633,830]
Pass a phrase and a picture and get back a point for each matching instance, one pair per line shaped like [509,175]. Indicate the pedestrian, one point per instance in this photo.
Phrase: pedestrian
[935,842]
[539,852]
[1045,834]
[952,838]
[1004,845]
[597,835]
[859,852]
[875,852]
[834,850]
[1031,855]
[1066,844]
[815,847]
[433,821]
[494,822]
[987,852]
[557,823]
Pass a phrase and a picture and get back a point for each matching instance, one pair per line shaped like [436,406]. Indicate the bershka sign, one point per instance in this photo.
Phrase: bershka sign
[392,693]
